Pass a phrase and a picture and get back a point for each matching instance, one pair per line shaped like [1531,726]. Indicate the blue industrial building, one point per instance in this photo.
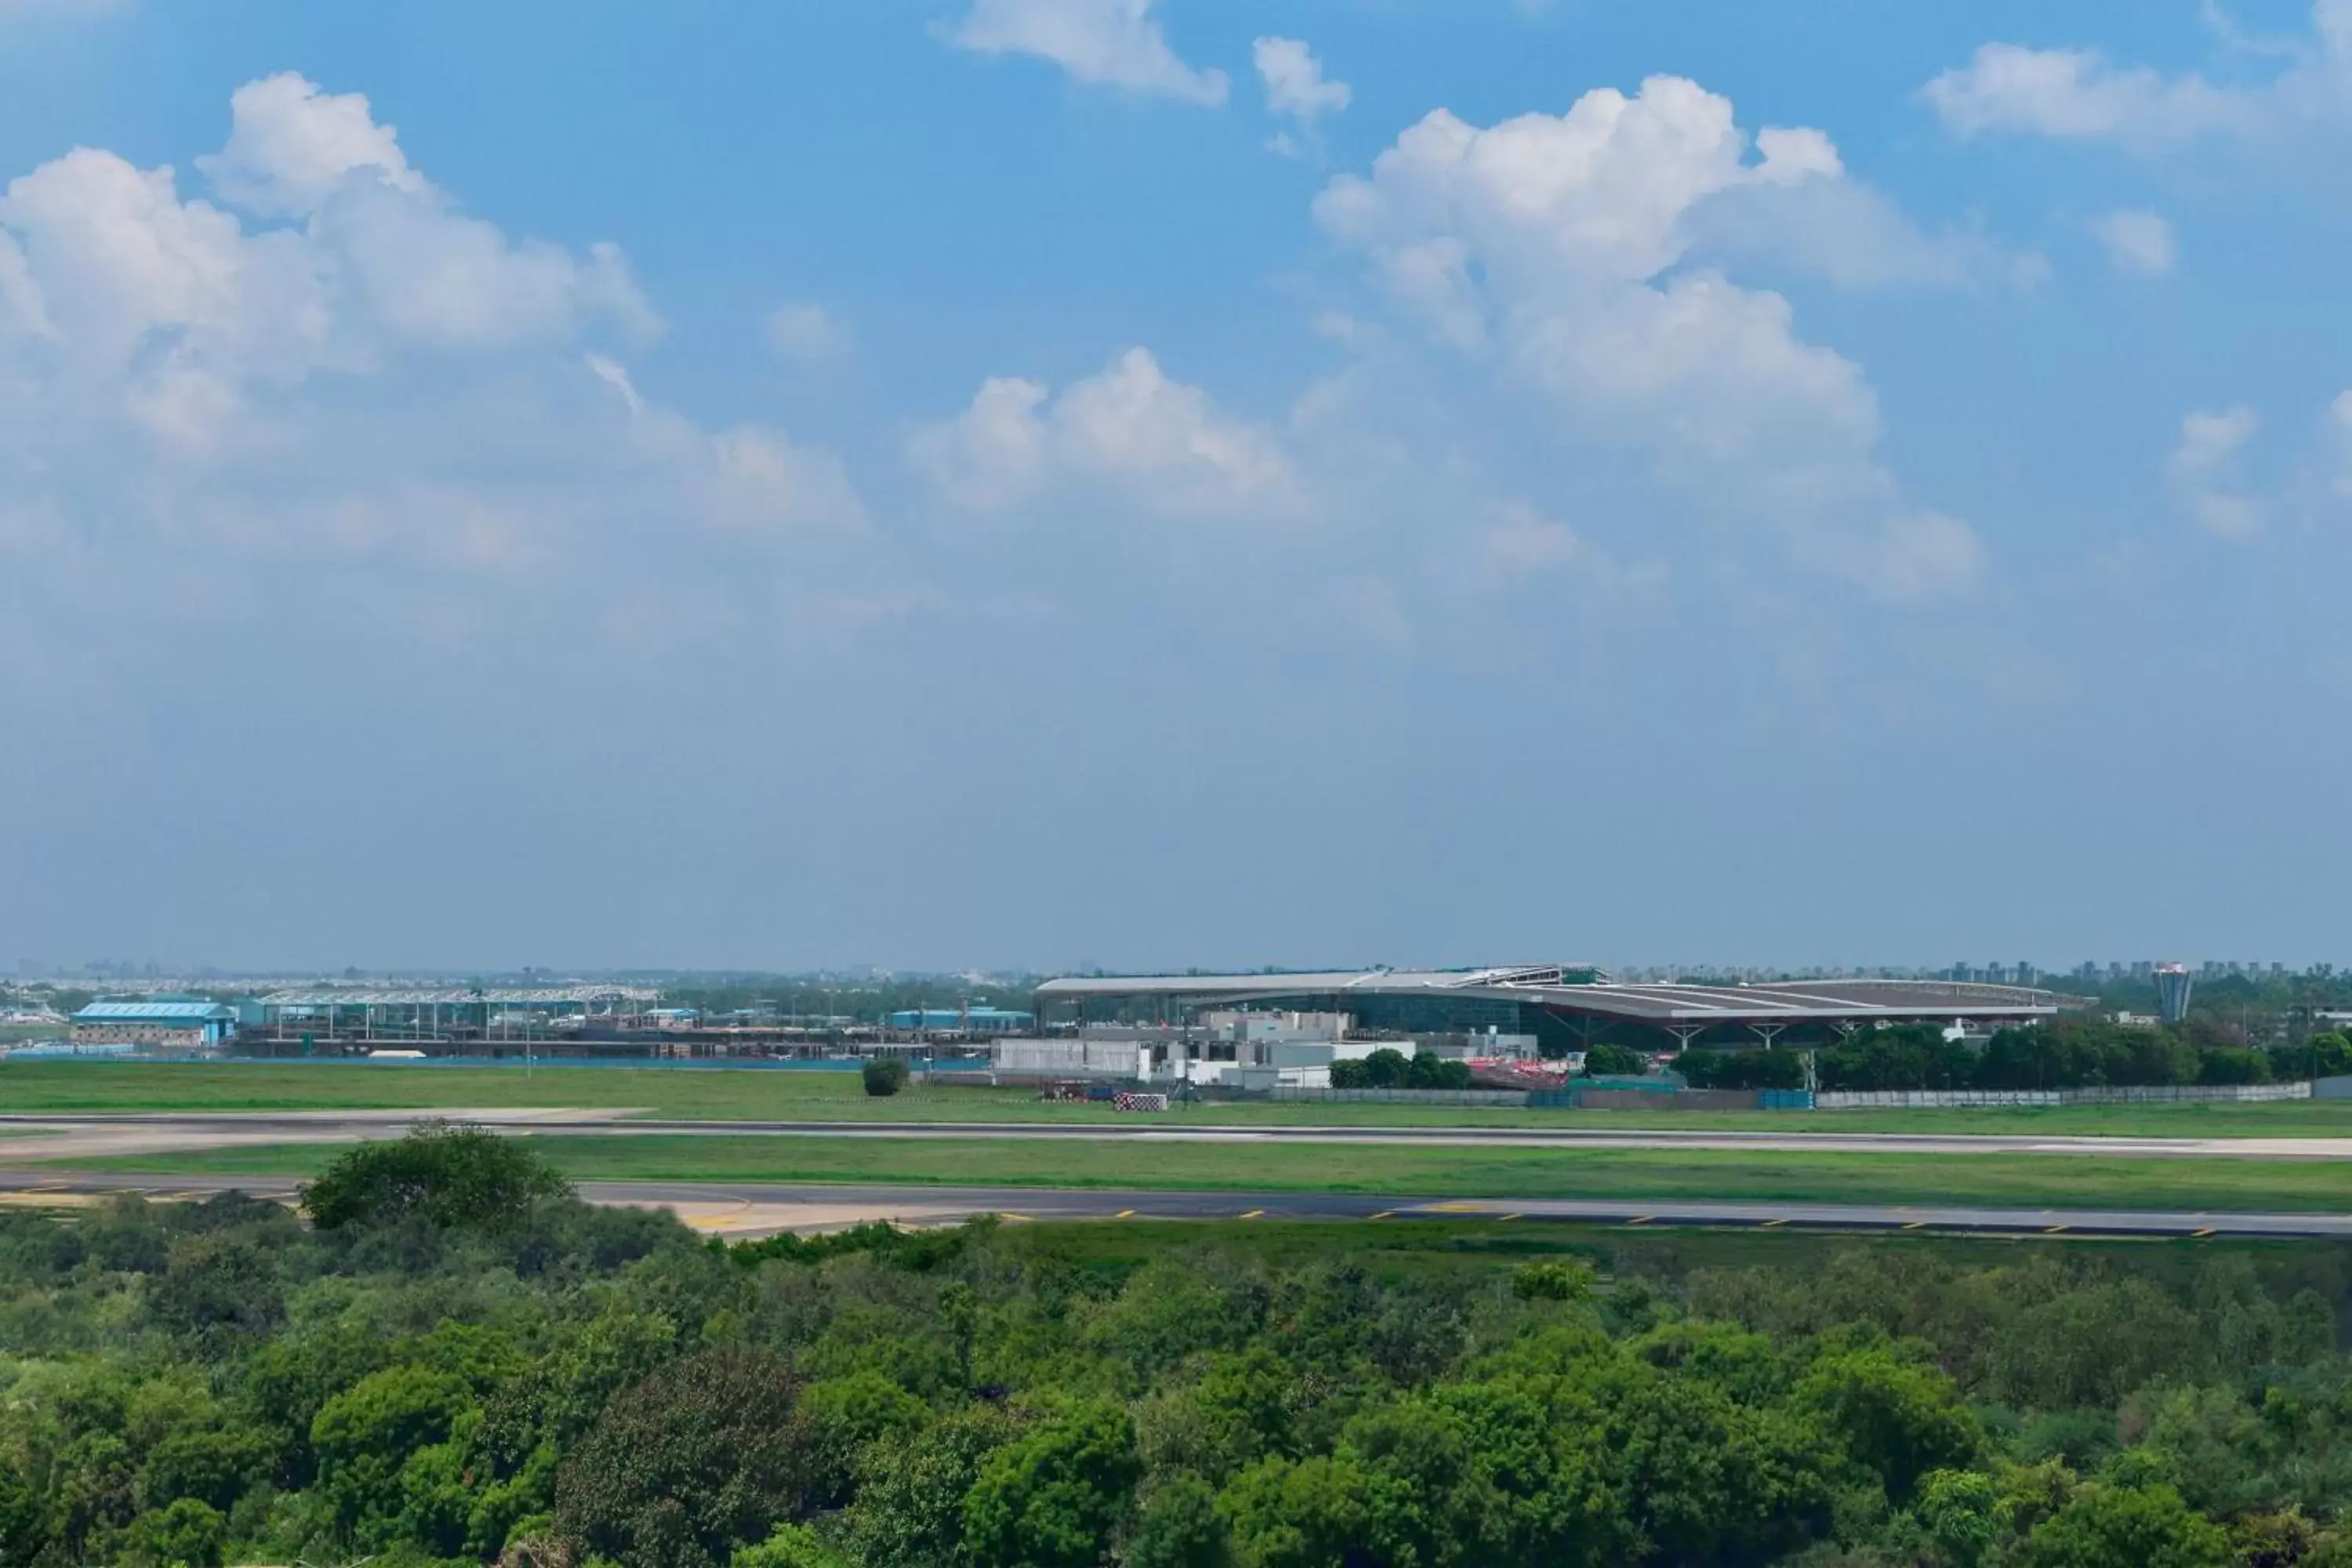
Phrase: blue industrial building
[183,1025]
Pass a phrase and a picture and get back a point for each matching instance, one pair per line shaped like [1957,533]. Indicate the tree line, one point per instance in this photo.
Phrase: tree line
[457,1362]
[2063,1054]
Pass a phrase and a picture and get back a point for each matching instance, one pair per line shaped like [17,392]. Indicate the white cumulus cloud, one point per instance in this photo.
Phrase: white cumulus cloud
[1558,247]
[2205,471]
[2080,94]
[1296,87]
[808,334]
[322,364]
[1157,445]
[2137,242]
[1112,43]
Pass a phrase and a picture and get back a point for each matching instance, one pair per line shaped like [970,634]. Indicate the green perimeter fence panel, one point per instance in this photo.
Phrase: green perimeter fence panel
[1654,1094]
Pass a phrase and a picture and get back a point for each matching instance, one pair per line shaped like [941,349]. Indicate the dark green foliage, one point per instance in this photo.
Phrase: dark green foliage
[572,1388]
[922,1251]
[1740,1069]
[445,1177]
[2126,1526]
[187,1534]
[1388,1068]
[702,1456]
[1051,1498]
[884,1075]
[1608,1059]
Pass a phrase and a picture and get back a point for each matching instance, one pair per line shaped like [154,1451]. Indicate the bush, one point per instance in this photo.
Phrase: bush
[1607,1060]
[1707,1068]
[884,1075]
[707,1455]
[460,1177]
[1389,1067]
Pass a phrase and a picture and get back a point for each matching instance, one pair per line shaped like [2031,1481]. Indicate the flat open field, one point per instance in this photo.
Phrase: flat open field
[35,1088]
[2024,1181]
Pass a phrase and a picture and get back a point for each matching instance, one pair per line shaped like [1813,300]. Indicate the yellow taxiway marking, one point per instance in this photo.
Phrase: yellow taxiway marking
[1455,1208]
[1642,1219]
[2202,1232]
[1505,1219]
[1774,1223]
[1124,1214]
[2055,1229]
[1017,1218]
[1384,1214]
[1253,1213]
[1914,1225]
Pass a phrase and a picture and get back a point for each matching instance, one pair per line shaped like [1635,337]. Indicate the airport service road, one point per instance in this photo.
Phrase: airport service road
[51,1137]
[744,1210]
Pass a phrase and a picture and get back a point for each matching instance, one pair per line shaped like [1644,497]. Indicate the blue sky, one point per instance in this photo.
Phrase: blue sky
[1057,483]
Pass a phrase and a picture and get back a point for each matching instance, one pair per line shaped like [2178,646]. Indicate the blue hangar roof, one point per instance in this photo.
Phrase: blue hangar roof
[155,1012]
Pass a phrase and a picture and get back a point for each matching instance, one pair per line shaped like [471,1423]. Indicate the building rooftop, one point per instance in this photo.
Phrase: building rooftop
[155,1011]
[1551,986]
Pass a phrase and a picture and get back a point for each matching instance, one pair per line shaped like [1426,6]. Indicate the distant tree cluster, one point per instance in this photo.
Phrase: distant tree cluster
[524,1380]
[2064,1054]
[1388,1068]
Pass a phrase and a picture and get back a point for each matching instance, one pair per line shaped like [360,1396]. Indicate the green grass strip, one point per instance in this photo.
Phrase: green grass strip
[2026,1181]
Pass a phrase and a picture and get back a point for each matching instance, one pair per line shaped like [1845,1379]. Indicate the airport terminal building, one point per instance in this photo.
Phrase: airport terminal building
[1565,1008]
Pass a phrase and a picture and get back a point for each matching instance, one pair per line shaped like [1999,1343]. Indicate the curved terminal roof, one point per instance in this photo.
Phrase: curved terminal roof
[1551,986]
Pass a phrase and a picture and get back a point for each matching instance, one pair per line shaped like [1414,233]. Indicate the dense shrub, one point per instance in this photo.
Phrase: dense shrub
[443,1176]
[701,1457]
[1607,1059]
[884,1075]
[1388,1068]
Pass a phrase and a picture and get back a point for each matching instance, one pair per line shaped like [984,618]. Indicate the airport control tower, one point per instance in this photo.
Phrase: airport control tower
[2171,992]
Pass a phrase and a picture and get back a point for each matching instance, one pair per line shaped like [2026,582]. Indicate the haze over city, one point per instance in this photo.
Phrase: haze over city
[1033,486]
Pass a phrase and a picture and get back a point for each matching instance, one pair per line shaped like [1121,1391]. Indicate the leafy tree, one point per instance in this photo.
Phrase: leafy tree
[212,1465]
[216,1288]
[1552,1280]
[706,1455]
[23,1530]
[791,1546]
[884,1075]
[1426,1069]
[1964,1514]
[1178,1526]
[2331,1055]
[187,1534]
[1898,1418]
[364,1437]
[1051,1497]
[2141,1527]
[1384,1068]
[911,1510]
[1707,1067]
[1305,1513]
[1606,1058]
[448,1177]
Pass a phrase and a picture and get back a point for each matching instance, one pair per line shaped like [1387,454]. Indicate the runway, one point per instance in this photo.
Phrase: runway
[745,1210]
[38,1138]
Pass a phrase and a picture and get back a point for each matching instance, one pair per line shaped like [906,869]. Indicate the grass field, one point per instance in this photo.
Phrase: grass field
[2034,1181]
[32,1087]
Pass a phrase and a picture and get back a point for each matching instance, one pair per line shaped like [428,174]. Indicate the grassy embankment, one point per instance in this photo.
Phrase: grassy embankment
[35,1088]
[2032,1181]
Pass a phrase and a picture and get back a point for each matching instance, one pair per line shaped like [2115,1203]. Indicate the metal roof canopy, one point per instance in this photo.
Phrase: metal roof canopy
[458,996]
[150,1012]
[1326,979]
[1766,1002]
